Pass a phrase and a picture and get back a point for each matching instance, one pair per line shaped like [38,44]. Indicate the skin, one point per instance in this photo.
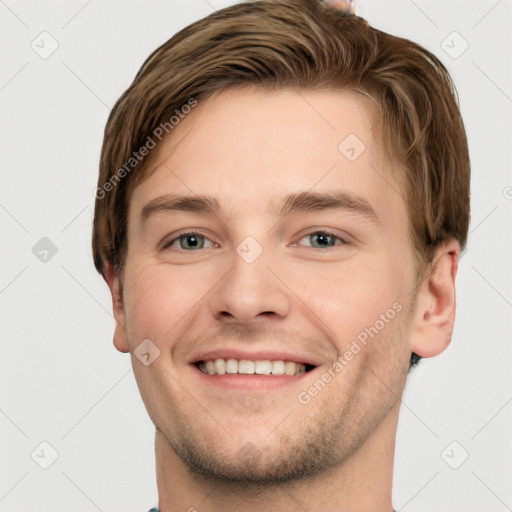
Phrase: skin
[247,147]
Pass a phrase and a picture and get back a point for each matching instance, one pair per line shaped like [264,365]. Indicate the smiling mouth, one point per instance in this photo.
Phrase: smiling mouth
[247,367]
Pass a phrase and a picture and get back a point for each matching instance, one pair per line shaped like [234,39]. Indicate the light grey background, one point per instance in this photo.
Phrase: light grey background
[62,381]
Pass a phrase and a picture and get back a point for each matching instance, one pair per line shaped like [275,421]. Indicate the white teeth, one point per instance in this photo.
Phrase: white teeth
[263,367]
[277,367]
[210,367]
[220,366]
[231,366]
[246,367]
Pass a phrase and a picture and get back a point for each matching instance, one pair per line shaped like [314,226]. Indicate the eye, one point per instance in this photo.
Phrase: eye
[190,241]
[323,240]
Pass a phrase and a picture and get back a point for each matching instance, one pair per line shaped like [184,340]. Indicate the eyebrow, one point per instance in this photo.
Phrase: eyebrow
[173,203]
[300,202]
[303,202]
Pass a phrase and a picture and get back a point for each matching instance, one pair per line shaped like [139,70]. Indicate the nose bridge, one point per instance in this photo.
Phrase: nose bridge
[250,290]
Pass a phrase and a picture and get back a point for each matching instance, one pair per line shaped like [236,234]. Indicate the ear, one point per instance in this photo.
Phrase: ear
[435,307]
[115,284]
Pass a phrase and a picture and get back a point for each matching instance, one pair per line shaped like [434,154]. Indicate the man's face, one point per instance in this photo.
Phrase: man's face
[260,282]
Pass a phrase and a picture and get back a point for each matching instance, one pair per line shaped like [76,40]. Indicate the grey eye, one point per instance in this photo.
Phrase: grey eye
[191,241]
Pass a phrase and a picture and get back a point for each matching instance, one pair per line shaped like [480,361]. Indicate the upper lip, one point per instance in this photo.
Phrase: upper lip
[256,355]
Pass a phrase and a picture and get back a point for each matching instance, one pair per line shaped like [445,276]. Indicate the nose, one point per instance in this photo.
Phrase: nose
[250,292]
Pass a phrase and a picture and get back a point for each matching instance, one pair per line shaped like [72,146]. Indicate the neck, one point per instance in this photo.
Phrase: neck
[360,483]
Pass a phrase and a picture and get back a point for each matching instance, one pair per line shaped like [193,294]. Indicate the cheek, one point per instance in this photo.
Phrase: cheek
[158,297]
[352,296]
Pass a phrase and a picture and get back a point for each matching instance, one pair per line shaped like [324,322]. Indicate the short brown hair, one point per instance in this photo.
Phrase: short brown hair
[278,44]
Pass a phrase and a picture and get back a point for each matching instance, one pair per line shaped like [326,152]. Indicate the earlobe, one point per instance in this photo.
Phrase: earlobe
[115,285]
[121,339]
[435,309]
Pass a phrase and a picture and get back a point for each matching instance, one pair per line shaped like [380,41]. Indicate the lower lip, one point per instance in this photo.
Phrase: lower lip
[253,382]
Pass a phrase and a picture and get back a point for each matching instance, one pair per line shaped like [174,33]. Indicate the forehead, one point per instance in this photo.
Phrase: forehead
[253,147]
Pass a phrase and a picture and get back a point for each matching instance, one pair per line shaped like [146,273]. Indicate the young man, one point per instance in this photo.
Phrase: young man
[282,201]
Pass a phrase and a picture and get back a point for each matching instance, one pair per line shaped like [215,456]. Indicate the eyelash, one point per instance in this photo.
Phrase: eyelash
[201,235]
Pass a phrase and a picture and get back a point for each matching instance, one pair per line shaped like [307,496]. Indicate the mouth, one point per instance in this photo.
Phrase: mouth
[259,367]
